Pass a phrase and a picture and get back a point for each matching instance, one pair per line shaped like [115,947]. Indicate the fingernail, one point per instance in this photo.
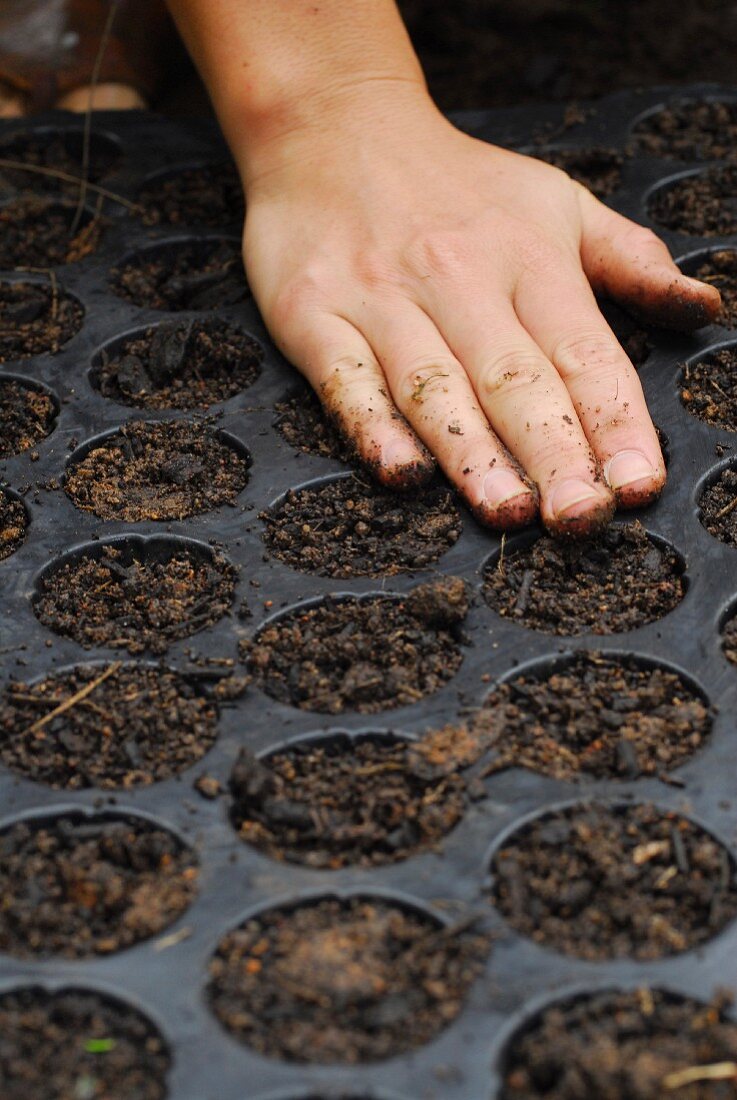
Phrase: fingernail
[570,493]
[627,467]
[399,452]
[502,485]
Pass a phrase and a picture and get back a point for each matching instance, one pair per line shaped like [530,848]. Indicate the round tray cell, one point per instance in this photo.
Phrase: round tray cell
[701,204]
[364,654]
[110,725]
[719,268]
[79,886]
[709,388]
[635,339]
[591,715]
[42,233]
[185,274]
[36,318]
[302,423]
[718,505]
[77,1044]
[617,581]
[695,130]
[342,981]
[178,365]
[210,195]
[335,802]
[51,151]
[348,527]
[646,1044]
[599,169]
[166,470]
[135,593]
[27,415]
[13,523]
[615,881]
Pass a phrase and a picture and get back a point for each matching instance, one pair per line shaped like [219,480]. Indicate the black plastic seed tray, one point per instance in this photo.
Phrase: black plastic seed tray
[165,977]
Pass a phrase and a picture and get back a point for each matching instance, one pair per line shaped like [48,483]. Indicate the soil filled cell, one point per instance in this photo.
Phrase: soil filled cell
[77,1044]
[342,981]
[720,270]
[718,507]
[695,131]
[210,196]
[135,595]
[701,205]
[61,152]
[80,887]
[598,169]
[350,528]
[617,581]
[40,233]
[729,638]
[304,425]
[161,471]
[186,275]
[709,389]
[636,341]
[644,1044]
[365,655]
[13,525]
[36,318]
[611,882]
[179,365]
[336,802]
[106,726]
[27,416]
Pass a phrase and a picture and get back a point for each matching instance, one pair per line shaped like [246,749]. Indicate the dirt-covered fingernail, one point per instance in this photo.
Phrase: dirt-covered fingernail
[574,496]
[626,468]
[501,486]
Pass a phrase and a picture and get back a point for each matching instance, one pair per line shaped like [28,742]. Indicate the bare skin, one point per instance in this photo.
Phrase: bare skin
[104,97]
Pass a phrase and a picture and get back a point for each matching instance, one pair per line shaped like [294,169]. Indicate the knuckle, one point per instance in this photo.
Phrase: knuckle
[442,253]
[588,353]
[296,298]
[510,372]
[423,377]
[375,271]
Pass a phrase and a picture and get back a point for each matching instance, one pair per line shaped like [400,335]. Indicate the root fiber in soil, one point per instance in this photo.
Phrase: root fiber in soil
[40,233]
[709,389]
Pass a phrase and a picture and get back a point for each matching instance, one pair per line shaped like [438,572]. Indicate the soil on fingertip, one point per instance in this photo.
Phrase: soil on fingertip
[211,196]
[180,365]
[598,169]
[636,341]
[106,726]
[342,981]
[337,803]
[643,1044]
[157,471]
[60,153]
[362,654]
[76,1044]
[349,527]
[40,233]
[13,525]
[36,319]
[720,270]
[718,507]
[134,597]
[614,582]
[192,275]
[709,389]
[615,882]
[695,131]
[701,205]
[27,416]
[303,423]
[80,887]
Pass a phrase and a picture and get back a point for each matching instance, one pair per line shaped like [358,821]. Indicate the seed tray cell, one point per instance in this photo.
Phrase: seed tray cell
[165,978]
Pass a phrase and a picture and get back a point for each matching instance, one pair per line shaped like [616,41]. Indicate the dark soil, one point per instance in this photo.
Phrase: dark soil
[637,342]
[191,275]
[720,269]
[76,1045]
[105,726]
[367,655]
[729,640]
[37,233]
[337,803]
[642,1045]
[342,981]
[709,389]
[718,507]
[691,131]
[13,525]
[180,365]
[162,471]
[350,528]
[597,716]
[604,882]
[61,152]
[303,424]
[78,887]
[35,318]
[598,169]
[606,585]
[135,596]
[211,196]
[27,416]
[703,205]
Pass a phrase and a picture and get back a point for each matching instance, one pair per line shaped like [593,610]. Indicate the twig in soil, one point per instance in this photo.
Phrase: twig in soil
[727,508]
[73,699]
[500,563]
[523,596]
[717,1071]
[67,177]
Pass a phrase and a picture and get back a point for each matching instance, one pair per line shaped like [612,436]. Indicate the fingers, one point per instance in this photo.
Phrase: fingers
[13,103]
[431,388]
[563,319]
[632,265]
